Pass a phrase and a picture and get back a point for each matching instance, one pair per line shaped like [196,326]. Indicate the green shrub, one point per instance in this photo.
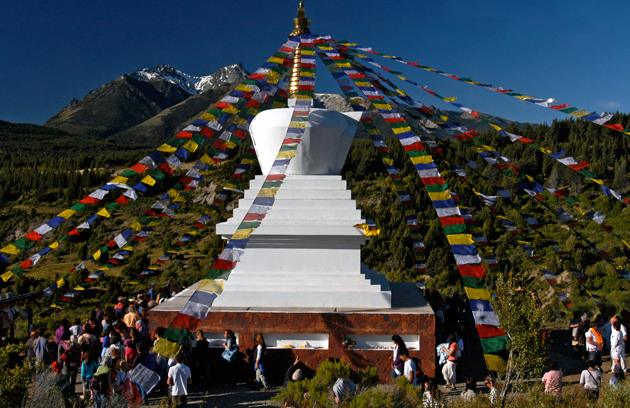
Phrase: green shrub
[15,376]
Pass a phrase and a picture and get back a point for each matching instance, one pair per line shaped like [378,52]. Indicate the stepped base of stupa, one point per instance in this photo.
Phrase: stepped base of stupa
[359,337]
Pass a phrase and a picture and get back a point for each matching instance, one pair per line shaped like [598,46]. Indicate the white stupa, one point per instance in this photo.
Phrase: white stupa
[306,253]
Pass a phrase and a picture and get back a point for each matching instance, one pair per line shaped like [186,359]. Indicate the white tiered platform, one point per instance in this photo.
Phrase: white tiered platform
[306,252]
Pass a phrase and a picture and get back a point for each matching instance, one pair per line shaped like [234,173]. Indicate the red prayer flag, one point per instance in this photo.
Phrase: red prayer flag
[617,126]
[25,264]
[187,322]
[33,236]
[89,200]
[446,221]
[473,271]
[486,331]
[184,135]
[139,168]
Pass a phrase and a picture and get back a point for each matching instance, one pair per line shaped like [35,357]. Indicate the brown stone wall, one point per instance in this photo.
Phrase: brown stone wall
[337,325]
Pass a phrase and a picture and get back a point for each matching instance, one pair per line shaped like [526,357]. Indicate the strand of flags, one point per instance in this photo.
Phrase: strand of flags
[600,119]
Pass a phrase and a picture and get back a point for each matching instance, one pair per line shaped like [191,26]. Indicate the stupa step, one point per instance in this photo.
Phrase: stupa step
[357,286]
[304,184]
[305,177]
[281,204]
[322,229]
[344,215]
[306,194]
[302,300]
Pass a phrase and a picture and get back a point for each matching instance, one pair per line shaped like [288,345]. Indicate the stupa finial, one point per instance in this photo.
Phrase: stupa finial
[300,23]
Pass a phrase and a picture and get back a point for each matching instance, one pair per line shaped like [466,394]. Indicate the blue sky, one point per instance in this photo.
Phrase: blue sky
[575,51]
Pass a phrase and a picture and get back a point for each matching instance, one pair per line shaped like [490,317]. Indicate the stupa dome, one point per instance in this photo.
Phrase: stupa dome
[324,147]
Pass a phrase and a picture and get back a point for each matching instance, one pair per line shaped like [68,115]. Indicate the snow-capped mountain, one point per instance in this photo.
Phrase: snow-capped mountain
[190,83]
[163,92]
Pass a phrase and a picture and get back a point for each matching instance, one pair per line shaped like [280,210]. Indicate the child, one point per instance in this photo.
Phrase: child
[88,368]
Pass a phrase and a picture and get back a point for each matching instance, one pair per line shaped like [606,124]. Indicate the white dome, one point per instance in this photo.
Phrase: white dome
[323,149]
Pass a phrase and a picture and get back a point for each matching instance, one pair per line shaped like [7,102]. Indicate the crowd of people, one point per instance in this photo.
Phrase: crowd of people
[113,353]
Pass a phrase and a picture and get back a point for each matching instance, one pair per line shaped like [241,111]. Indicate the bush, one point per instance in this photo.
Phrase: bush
[15,376]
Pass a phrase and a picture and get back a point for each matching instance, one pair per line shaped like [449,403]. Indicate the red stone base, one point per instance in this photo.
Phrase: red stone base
[336,324]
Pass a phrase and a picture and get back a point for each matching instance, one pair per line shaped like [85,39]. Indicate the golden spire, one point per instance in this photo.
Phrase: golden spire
[295,73]
[300,23]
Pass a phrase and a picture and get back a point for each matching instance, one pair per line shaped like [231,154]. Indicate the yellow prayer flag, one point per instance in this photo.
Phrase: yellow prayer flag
[54,245]
[66,213]
[127,248]
[579,113]
[6,276]
[383,106]
[191,146]
[244,88]
[450,99]
[288,154]
[460,239]
[308,52]
[400,130]
[209,117]
[211,285]
[524,97]
[103,213]
[167,148]
[297,125]
[268,192]
[166,348]
[598,181]
[10,250]
[363,83]
[401,77]
[61,282]
[478,294]
[97,255]
[308,74]
[230,145]
[422,159]
[206,159]
[136,226]
[442,195]
[444,118]
[343,65]
[79,288]
[495,363]
[495,127]
[119,180]
[276,60]
[544,150]
[243,233]
[148,180]
[231,109]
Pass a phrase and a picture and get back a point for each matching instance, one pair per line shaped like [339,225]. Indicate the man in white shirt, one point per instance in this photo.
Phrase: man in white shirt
[618,338]
[409,370]
[178,379]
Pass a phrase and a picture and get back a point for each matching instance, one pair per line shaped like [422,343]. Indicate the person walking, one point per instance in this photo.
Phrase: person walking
[552,380]
[200,354]
[493,395]
[259,366]
[618,338]
[590,380]
[409,367]
[594,346]
[88,368]
[449,369]
[179,377]
[397,363]
[230,356]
